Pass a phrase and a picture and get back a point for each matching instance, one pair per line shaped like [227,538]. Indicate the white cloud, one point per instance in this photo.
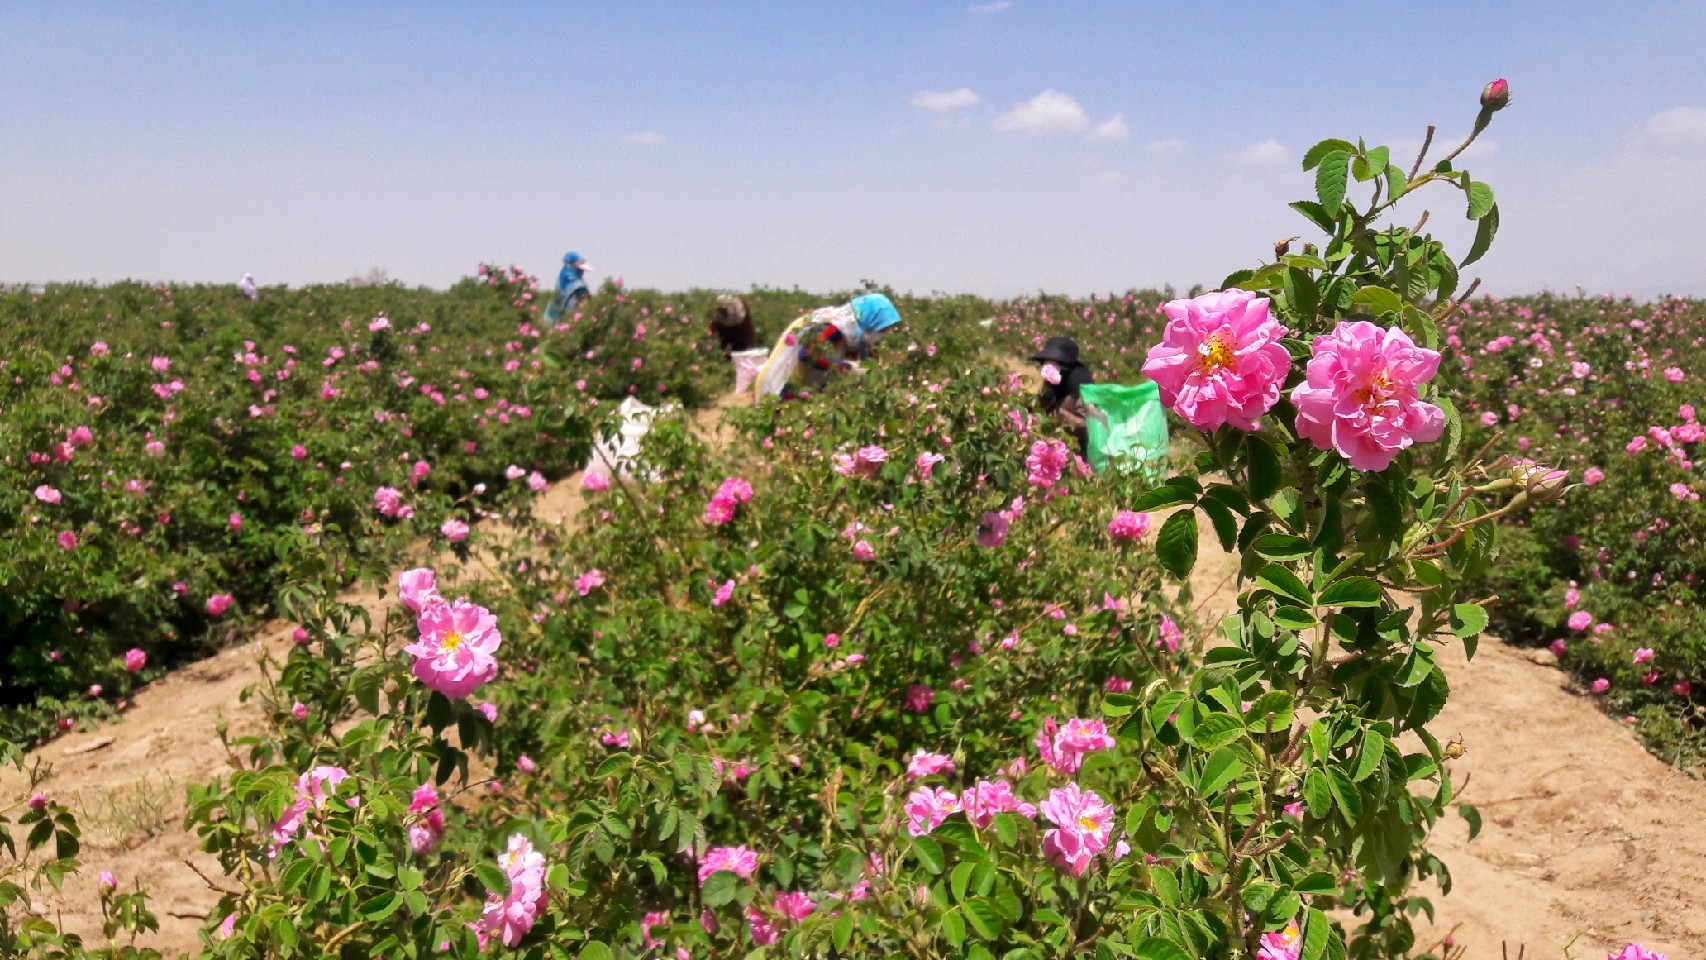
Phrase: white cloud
[1113,129]
[1679,126]
[942,101]
[644,138]
[1110,177]
[1268,153]
[996,7]
[1166,148]
[1046,113]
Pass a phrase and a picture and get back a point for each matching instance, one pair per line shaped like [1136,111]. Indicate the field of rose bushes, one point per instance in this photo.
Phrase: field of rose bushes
[887,671]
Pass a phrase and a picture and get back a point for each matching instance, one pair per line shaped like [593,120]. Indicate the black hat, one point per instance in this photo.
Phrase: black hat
[1057,350]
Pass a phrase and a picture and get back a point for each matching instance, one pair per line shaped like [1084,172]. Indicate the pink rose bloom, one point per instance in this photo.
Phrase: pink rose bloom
[864,552]
[924,763]
[218,604]
[418,589]
[299,710]
[1601,685]
[1083,822]
[649,922]
[595,482]
[525,764]
[1170,635]
[927,465]
[455,652]
[161,364]
[1065,747]
[1634,951]
[489,710]
[68,539]
[1050,373]
[454,530]
[1128,526]
[47,494]
[759,928]
[723,594]
[1283,944]
[736,860]
[510,917]
[987,798]
[536,482]
[1361,395]
[1580,620]
[793,906]
[1220,359]
[1642,655]
[1117,685]
[299,452]
[918,697]
[37,801]
[928,807]
[992,532]
[236,521]
[589,581]
[1046,462]
[1592,476]
[386,500]
[1557,647]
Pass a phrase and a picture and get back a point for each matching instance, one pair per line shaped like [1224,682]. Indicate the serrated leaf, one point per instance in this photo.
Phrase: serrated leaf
[1317,796]
[1156,948]
[1264,468]
[1222,768]
[1485,229]
[1273,711]
[1378,300]
[1369,757]
[1331,178]
[1480,200]
[1351,592]
[1316,931]
[1472,816]
[1468,619]
[1284,583]
[597,950]
[720,888]
[1225,524]
[1176,544]
[929,854]
[1319,152]
[1282,546]
[984,918]
[1166,495]
[1215,730]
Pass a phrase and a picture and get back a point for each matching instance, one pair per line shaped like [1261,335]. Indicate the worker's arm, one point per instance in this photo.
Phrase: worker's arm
[1072,412]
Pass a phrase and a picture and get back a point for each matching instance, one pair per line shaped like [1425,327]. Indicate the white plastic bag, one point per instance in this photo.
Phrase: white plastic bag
[747,365]
[615,457]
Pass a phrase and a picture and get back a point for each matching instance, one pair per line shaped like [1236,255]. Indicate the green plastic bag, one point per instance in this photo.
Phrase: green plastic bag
[1127,428]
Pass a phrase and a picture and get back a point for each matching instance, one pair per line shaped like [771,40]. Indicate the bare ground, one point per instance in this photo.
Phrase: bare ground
[1587,837]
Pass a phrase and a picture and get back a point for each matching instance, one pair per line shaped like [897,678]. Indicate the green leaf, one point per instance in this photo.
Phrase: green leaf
[1472,816]
[1222,768]
[1480,200]
[1314,155]
[1485,229]
[721,888]
[1315,213]
[596,950]
[1378,300]
[843,931]
[1369,757]
[381,906]
[492,878]
[1351,592]
[984,918]
[1317,795]
[1176,544]
[953,928]
[1331,177]
[929,854]
[1264,465]
[1294,618]
[1282,546]
[1225,524]
[1273,710]
[1468,619]
[1316,931]
[1345,795]
[1156,948]
[1396,182]
[1216,730]
[1166,495]
[1285,583]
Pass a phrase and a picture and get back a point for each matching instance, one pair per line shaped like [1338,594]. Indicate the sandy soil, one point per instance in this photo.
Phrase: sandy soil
[1587,838]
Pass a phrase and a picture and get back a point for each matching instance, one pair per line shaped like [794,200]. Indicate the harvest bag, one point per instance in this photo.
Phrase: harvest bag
[747,364]
[1127,427]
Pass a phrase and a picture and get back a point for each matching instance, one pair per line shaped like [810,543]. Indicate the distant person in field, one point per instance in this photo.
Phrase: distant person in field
[731,324]
[571,286]
[826,340]
[1063,376]
[247,285]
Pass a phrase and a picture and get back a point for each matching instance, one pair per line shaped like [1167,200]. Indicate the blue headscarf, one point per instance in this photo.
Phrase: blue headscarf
[875,312]
[571,274]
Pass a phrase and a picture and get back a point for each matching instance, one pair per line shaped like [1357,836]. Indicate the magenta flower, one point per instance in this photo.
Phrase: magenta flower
[1283,944]
[918,697]
[595,482]
[510,917]
[589,581]
[740,861]
[1580,620]
[865,462]
[1601,685]
[648,923]
[724,594]
[759,928]
[299,710]
[1220,359]
[454,530]
[1083,822]
[924,763]
[455,652]
[1634,951]
[987,798]
[68,539]
[927,465]
[135,659]
[1361,395]
[992,532]
[1128,526]
[793,906]
[299,452]
[1642,655]
[1046,462]
[218,604]
[864,552]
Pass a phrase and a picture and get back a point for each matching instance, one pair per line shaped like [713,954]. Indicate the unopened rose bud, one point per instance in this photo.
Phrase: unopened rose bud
[1495,95]
[1541,483]
[107,881]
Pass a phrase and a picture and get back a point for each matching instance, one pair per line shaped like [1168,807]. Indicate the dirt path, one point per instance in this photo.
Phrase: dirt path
[1586,835]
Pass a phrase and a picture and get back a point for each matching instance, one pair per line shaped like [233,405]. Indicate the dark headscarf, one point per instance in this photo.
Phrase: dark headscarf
[1063,353]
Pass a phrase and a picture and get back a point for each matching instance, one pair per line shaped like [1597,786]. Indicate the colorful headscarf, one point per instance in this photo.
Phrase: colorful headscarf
[875,312]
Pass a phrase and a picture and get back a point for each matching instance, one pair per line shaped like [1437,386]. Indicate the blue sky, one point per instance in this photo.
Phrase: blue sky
[994,148]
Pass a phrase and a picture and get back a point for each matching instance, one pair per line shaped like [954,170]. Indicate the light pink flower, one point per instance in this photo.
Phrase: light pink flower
[928,807]
[106,882]
[1220,359]
[455,652]
[589,581]
[864,552]
[387,500]
[536,482]
[454,530]
[1592,476]
[740,861]
[648,923]
[47,494]
[418,589]
[595,482]
[510,917]
[299,710]
[1580,620]
[924,763]
[1050,373]
[793,906]
[927,465]
[1282,944]
[135,659]
[1361,395]
[1642,655]
[986,798]
[1128,526]
[1601,685]
[724,594]
[1083,822]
